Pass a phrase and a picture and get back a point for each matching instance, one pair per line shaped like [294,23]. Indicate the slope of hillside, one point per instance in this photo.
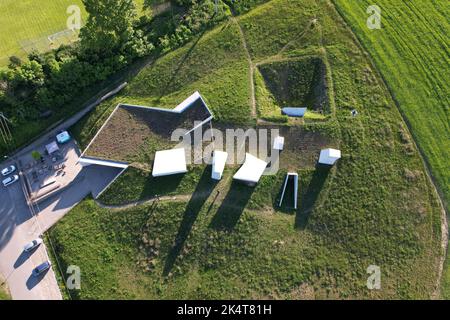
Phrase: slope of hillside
[225,240]
[412,53]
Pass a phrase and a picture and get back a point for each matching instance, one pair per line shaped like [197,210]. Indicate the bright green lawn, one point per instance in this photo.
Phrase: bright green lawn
[375,206]
[32,20]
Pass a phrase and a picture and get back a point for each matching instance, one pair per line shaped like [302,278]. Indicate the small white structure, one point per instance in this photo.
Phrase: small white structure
[187,102]
[294,176]
[278,143]
[251,171]
[85,161]
[218,164]
[294,112]
[169,162]
[329,156]
[52,147]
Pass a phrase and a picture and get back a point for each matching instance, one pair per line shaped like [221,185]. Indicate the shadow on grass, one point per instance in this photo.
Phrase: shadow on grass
[287,206]
[233,205]
[202,192]
[167,87]
[157,186]
[309,198]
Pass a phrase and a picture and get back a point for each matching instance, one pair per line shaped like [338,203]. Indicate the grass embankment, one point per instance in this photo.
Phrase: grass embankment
[172,78]
[145,186]
[155,252]
[376,206]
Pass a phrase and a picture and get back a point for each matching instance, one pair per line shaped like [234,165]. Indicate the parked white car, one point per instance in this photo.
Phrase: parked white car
[10,180]
[32,245]
[8,170]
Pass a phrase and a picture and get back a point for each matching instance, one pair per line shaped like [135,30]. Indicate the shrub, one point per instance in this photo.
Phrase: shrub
[36,155]
[14,62]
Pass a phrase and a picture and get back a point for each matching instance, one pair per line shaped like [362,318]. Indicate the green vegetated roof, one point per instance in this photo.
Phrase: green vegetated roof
[134,129]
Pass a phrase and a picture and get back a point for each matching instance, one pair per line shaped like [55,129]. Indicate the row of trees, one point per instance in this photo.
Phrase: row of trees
[111,39]
[108,42]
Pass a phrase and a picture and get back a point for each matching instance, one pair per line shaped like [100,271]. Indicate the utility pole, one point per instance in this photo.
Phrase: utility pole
[4,129]
[216,6]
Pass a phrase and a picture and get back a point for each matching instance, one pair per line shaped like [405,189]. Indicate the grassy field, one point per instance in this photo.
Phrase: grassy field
[26,24]
[226,240]
[412,53]
[25,21]
[195,68]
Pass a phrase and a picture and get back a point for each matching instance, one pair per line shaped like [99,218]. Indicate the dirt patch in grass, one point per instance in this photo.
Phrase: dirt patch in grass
[302,147]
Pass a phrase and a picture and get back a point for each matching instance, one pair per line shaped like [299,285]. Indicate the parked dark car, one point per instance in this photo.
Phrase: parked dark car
[40,269]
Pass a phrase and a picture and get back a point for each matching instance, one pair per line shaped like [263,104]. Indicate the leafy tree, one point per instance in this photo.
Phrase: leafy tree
[30,74]
[14,62]
[149,3]
[110,30]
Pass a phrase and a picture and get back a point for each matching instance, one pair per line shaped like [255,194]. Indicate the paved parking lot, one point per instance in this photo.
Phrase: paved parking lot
[18,226]
[51,173]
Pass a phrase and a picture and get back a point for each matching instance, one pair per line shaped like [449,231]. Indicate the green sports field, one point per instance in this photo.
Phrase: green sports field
[28,21]
[26,24]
